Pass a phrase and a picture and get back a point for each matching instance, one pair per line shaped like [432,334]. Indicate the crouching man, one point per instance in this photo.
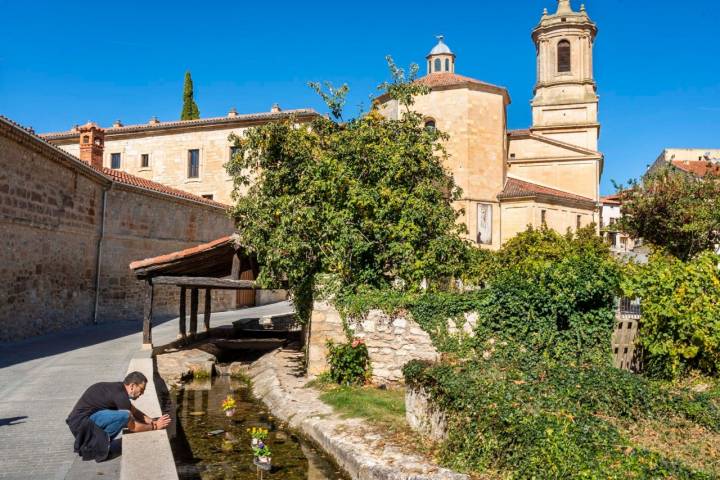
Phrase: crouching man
[104,410]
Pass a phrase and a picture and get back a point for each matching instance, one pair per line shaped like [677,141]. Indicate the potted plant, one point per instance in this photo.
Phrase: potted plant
[258,435]
[229,405]
[262,453]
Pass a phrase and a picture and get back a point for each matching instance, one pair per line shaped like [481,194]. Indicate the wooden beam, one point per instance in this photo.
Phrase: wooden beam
[183,297]
[206,282]
[236,266]
[148,313]
[208,308]
[193,311]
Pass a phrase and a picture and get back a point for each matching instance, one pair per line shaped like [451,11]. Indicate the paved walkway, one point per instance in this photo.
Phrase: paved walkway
[42,378]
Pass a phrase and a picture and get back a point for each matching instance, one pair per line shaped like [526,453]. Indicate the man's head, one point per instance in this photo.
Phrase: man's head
[135,383]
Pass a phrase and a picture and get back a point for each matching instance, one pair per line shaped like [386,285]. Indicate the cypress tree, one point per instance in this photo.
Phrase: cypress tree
[190,109]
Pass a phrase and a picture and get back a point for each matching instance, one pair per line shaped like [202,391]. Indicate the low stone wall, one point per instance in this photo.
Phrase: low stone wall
[392,341]
[147,454]
[359,449]
[423,416]
[265,297]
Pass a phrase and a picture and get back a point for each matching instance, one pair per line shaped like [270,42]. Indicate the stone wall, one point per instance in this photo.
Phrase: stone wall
[51,209]
[391,341]
[422,416]
[49,223]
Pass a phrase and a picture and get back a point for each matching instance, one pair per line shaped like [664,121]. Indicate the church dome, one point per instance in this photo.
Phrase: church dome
[441,48]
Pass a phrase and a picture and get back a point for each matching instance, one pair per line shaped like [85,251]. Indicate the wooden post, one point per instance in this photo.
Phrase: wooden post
[148,314]
[208,308]
[193,311]
[183,330]
[235,272]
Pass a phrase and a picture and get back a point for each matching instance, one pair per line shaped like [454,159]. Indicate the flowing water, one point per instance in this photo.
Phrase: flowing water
[210,445]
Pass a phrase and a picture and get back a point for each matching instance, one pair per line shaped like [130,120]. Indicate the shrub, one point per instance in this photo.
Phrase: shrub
[349,362]
[680,325]
[532,417]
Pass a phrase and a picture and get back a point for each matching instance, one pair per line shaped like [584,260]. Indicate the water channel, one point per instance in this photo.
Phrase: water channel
[209,445]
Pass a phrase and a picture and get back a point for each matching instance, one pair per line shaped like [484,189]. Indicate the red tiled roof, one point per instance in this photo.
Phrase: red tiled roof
[128,179]
[515,188]
[188,252]
[249,117]
[451,79]
[614,199]
[699,168]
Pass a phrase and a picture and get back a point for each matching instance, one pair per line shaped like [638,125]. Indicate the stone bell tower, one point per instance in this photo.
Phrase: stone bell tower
[565,106]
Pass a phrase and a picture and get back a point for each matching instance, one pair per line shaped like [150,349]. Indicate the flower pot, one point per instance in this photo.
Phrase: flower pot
[230,412]
[265,460]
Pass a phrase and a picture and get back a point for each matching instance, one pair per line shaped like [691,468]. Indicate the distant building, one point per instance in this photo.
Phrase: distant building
[619,241]
[695,161]
[189,155]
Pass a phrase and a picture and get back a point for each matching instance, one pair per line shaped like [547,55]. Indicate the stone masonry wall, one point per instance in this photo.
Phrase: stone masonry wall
[49,219]
[141,225]
[50,222]
[391,341]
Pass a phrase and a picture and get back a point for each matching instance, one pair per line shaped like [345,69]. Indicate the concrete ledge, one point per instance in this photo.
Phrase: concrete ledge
[358,448]
[147,454]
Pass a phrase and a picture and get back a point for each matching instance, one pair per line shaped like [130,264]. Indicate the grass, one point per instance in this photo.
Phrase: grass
[382,407]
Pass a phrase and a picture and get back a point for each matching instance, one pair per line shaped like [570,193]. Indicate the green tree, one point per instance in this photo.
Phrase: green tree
[190,109]
[367,201]
[673,210]
[680,327]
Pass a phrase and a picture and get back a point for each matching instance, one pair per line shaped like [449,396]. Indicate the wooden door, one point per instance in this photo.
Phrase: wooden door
[246,298]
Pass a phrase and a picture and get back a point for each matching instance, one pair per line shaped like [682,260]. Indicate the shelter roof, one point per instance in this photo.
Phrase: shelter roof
[699,168]
[212,259]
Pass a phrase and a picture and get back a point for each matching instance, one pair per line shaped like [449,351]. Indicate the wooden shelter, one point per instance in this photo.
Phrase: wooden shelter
[221,264]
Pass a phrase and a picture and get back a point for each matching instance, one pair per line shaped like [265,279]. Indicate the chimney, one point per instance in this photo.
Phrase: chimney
[117,124]
[276,108]
[232,113]
[92,144]
[153,121]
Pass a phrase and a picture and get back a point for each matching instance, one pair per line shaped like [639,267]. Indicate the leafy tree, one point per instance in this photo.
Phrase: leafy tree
[673,210]
[190,109]
[680,328]
[367,201]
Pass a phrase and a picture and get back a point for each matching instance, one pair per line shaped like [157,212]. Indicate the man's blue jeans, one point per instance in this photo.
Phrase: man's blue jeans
[112,421]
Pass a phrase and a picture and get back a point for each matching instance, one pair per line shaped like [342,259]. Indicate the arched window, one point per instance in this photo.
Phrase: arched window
[447,64]
[438,65]
[430,124]
[563,56]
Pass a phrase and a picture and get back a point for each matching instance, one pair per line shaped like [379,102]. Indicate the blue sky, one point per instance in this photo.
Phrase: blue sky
[657,63]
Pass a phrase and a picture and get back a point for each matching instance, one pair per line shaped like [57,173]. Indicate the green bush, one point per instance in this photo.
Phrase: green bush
[534,418]
[680,326]
[349,362]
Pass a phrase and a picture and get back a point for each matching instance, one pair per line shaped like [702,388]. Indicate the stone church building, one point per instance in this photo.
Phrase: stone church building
[547,174]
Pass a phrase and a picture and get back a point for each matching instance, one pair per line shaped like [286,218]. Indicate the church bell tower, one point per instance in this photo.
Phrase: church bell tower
[565,106]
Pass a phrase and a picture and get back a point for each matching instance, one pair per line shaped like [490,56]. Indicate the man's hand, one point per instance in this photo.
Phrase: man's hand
[161,422]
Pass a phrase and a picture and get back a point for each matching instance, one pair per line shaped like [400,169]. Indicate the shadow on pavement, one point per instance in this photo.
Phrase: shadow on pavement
[4,422]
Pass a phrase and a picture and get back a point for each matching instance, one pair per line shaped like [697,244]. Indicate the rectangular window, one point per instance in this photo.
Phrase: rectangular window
[579,222]
[484,224]
[193,163]
[233,151]
[115,160]
[145,160]
[543,217]
[209,196]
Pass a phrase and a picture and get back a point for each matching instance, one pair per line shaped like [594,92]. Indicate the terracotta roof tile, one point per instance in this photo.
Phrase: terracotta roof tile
[699,168]
[613,199]
[516,188]
[249,117]
[451,79]
[128,179]
[188,252]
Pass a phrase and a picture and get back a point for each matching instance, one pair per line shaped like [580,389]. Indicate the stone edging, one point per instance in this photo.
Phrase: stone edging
[356,447]
[147,454]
